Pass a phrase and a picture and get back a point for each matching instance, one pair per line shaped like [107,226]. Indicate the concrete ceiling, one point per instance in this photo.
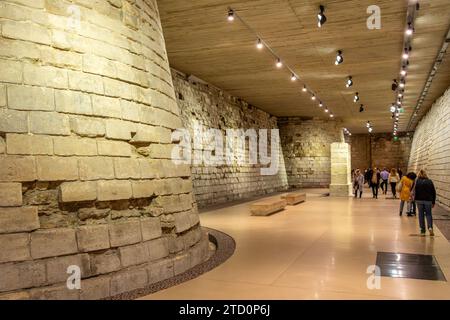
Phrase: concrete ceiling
[200,41]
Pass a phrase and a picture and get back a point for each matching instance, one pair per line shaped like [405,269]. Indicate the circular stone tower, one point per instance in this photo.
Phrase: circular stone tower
[87,185]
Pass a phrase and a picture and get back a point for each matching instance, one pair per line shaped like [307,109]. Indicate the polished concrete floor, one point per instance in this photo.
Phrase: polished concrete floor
[320,249]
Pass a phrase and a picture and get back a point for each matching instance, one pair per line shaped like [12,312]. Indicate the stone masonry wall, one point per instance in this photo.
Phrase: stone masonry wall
[431,148]
[87,109]
[380,150]
[212,108]
[307,149]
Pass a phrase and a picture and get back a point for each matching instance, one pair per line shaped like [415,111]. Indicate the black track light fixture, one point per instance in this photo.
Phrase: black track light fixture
[230,15]
[349,82]
[339,58]
[321,18]
[394,85]
[410,29]
[362,109]
[356,98]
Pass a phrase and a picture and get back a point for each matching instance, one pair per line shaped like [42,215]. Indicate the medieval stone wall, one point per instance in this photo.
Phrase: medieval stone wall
[87,109]
[307,150]
[202,104]
[431,148]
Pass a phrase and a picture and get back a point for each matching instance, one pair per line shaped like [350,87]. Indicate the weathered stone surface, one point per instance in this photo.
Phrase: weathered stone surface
[21,275]
[181,263]
[96,168]
[125,233]
[57,168]
[160,271]
[95,288]
[128,281]
[15,247]
[105,262]
[50,123]
[78,191]
[10,194]
[18,219]
[20,169]
[158,248]
[113,190]
[267,207]
[93,238]
[22,144]
[294,198]
[53,242]
[151,228]
[134,254]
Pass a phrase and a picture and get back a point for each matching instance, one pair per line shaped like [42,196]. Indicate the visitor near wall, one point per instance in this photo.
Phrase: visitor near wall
[384,180]
[393,179]
[404,187]
[425,197]
[358,183]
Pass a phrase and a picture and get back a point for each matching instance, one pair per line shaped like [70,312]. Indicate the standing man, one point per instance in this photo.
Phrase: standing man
[384,180]
[375,182]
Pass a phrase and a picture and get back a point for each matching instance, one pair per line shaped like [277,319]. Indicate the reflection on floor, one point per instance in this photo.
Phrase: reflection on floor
[321,249]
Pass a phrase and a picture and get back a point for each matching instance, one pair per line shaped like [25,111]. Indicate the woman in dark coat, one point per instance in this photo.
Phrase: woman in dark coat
[425,198]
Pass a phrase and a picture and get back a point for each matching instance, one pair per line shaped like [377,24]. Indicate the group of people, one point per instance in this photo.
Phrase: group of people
[416,191]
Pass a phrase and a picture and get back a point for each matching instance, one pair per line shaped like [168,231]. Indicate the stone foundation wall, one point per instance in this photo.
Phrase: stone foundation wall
[87,109]
[307,150]
[205,105]
[431,148]
[380,150]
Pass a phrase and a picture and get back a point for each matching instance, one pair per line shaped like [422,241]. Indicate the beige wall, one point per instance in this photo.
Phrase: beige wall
[431,147]
[87,109]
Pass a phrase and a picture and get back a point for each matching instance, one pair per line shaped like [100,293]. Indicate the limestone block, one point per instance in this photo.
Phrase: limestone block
[128,281]
[87,127]
[13,121]
[85,82]
[15,247]
[74,147]
[158,249]
[57,267]
[10,194]
[78,191]
[106,107]
[96,168]
[267,207]
[11,71]
[143,189]
[3,96]
[151,228]
[26,31]
[130,110]
[106,262]
[151,134]
[73,102]
[93,238]
[182,221]
[159,117]
[181,263]
[45,76]
[58,292]
[30,98]
[114,148]
[160,271]
[18,219]
[161,151]
[133,255]
[49,123]
[14,168]
[21,275]
[95,288]
[23,144]
[98,65]
[57,168]
[294,198]
[120,130]
[127,168]
[149,168]
[113,190]
[53,242]
[125,233]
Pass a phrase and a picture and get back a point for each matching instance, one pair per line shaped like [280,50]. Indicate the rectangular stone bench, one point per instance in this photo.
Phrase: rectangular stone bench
[294,198]
[267,207]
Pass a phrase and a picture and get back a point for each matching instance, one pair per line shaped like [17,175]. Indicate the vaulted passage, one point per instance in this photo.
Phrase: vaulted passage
[178,150]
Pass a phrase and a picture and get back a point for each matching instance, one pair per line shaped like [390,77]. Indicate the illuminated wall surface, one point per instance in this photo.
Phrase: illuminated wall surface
[87,109]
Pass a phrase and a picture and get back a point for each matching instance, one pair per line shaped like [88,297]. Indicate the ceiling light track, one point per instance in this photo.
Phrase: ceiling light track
[279,62]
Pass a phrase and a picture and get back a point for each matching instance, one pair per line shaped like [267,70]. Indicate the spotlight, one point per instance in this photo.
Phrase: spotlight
[405,54]
[395,85]
[370,129]
[402,85]
[320,104]
[339,58]
[368,124]
[361,108]
[259,45]
[326,110]
[294,77]
[230,15]
[349,82]
[356,99]
[403,72]
[393,109]
[331,115]
[304,89]
[400,95]
[279,64]
[313,97]
[321,18]
[410,29]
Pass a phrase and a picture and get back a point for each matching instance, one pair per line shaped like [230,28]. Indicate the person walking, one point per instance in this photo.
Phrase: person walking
[425,197]
[404,187]
[375,182]
[358,183]
[367,176]
[393,179]
[384,180]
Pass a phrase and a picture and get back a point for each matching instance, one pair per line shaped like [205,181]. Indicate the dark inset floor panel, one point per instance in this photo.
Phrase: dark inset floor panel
[408,265]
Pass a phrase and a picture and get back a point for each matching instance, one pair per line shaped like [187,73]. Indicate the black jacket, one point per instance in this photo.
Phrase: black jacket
[425,191]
